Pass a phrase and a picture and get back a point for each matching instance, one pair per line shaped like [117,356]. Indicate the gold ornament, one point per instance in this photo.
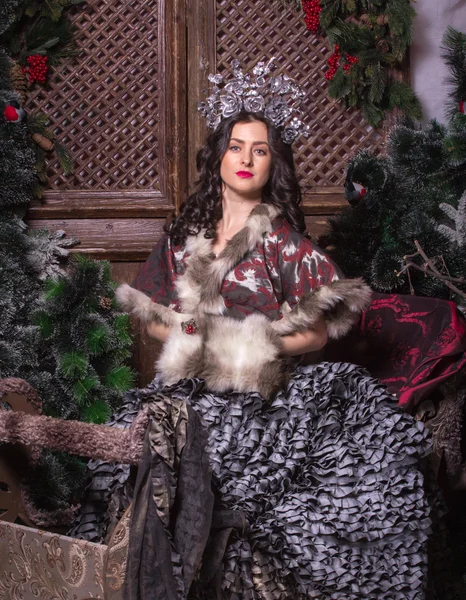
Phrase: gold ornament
[382,20]
[43,142]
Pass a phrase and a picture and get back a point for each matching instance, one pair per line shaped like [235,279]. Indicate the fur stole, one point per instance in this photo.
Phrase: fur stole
[228,353]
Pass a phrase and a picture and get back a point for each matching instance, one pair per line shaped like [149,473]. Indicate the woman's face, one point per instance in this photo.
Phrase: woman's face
[245,166]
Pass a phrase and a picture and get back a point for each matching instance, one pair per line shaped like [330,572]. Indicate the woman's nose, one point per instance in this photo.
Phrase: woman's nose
[246,159]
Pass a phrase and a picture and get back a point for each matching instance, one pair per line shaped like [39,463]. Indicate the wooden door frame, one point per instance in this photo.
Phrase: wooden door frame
[124,225]
[201,46]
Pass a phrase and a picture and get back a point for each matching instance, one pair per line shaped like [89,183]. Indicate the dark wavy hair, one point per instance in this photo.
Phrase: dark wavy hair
[203,208]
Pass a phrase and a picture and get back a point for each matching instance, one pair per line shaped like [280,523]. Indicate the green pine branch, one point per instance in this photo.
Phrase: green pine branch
[97,412]
[122,328]
[97,339]
[454,54]
[40,28]
[400,16]
[53,8]
[120,379]
[64,158]
[330,11]
[45,324]
[402,96]
[46,34]
[372,113]
[83,388]
[350,37]
[378,34]
[73,364]
[55,288]
[378,84]
[455,145]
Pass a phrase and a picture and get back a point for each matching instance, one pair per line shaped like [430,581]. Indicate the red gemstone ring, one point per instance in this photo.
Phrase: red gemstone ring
[189,327]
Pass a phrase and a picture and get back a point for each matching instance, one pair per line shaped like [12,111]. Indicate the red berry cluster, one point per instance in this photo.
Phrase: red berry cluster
[333,63]
[190,329]
[312,10]
[36,68]
[349,62]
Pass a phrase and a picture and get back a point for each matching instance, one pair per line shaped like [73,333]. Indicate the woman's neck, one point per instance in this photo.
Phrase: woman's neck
[235,211]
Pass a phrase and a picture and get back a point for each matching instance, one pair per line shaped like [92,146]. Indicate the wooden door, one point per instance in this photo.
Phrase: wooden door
[119,107]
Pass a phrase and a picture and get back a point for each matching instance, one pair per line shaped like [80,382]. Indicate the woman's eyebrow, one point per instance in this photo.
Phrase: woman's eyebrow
[242,142]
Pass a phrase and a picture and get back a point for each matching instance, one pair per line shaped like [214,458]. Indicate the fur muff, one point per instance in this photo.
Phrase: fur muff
[231,354]
[242,356]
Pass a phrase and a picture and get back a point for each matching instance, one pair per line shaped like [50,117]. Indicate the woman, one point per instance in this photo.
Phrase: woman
[317,460]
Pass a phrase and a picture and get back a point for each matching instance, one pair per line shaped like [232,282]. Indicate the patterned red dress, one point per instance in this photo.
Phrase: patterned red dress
[282,268]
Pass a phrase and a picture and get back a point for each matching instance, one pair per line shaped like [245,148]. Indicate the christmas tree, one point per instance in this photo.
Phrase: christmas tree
[87,341]
[60,331]
[18,340]
[406,229]
[83,344]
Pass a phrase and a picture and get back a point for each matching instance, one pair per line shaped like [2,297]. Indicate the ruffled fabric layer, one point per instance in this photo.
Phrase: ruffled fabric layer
[328,477]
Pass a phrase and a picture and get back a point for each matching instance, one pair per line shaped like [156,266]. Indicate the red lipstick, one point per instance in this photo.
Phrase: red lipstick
[244,174]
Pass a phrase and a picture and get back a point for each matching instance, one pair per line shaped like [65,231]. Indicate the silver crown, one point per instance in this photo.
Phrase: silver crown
[277,97]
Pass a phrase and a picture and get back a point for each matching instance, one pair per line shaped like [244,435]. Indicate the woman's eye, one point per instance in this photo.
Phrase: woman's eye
[234,148]
[261,152]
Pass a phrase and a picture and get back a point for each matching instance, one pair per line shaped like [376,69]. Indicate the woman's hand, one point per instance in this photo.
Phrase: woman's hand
[307,341]
[158,331]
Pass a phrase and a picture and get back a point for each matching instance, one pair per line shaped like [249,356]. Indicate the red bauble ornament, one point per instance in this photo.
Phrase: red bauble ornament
[36,68]
[11,114]
[312,10]
[462,106]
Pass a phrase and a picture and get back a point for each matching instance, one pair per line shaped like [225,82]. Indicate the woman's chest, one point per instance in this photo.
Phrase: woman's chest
[252,285]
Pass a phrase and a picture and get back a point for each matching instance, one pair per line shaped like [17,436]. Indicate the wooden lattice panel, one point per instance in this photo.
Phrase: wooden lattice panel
[254,30]
[104,105]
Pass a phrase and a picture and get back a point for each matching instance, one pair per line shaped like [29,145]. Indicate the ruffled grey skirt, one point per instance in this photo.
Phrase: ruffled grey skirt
[327,476]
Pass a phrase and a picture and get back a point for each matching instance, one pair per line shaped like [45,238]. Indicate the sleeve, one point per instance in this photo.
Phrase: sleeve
[303,266]
[315,288]
[156,278]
